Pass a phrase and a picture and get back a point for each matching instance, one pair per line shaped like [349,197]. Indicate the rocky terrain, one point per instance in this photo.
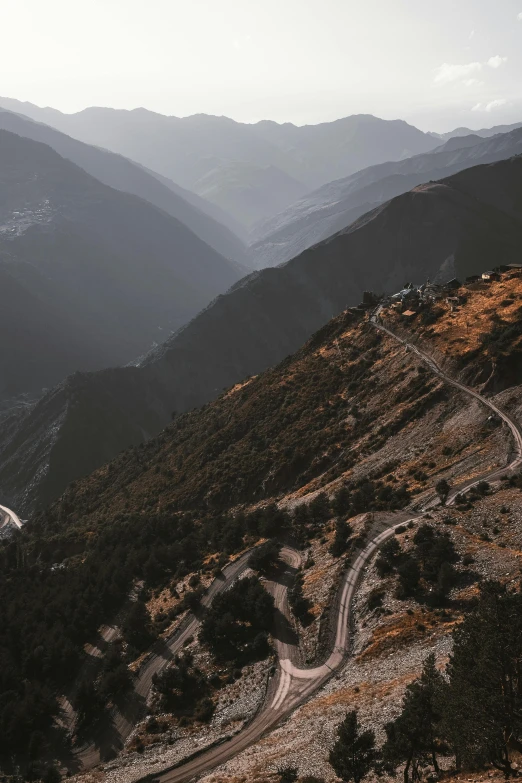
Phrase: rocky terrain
[425,432]
[353,426]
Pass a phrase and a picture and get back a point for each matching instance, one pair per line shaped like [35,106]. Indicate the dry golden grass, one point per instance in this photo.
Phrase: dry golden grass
[459,332]
[405,629]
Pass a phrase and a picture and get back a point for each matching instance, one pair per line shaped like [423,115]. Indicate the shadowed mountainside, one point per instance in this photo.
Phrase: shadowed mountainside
[438,229]
[337,204]
[120,173]
[91,277]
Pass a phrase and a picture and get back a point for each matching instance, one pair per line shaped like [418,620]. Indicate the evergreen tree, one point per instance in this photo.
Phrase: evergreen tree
[320,508]
[483,703]
[265,557]
[288,774]
[389,557]
[137,626]
[442,488]
[409,577]
[341,501]
[412,738]
[354,753]
[342,533]
[89,705]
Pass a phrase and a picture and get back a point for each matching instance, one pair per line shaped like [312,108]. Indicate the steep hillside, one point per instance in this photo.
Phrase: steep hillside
[188,149]
[439,229]
[92,276]
[310,419]
[122,174]
[351,426]
[337,204]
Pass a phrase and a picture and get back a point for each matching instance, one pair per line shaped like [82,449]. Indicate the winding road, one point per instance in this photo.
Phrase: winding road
[113,733]
[513,425]
[292,684]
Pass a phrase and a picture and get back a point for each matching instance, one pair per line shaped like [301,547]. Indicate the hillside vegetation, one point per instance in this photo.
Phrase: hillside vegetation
[351,423]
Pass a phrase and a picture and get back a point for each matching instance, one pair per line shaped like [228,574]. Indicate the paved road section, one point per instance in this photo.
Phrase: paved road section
[14,518]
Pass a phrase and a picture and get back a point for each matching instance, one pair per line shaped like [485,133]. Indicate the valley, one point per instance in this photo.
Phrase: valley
[260,393]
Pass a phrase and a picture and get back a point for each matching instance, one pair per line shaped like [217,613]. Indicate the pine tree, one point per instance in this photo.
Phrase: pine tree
[412,739]
[342,533]
[353,754]
[483,703]
[137,627]
[288,774]
[442,488]
[409,576]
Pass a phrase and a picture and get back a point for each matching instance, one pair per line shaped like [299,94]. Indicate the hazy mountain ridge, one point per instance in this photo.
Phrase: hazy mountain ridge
[484,132]
[186,149]
[92,276]
[117,172]
[335,205]
[268,315]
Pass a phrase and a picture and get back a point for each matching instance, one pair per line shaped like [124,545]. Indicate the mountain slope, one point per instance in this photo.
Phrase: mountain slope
[188,149]
[248,192]
[122,174]
[351,426]
[333,149]
[337,204]
[439,229]
[108,273]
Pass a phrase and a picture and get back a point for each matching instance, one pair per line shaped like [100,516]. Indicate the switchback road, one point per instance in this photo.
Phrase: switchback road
[293,685]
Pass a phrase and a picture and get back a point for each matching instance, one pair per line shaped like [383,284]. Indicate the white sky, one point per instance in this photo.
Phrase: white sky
[437,64]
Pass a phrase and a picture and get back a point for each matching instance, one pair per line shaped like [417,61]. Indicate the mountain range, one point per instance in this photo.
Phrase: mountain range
[207,221]
[483,132]
[337,204]
[90,276]
[249,170]
[456,226]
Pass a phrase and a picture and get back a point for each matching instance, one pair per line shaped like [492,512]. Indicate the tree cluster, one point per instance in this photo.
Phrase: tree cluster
[473,713]
[265,558]
[236,626]
[427,571]
[300,605]
[184,690]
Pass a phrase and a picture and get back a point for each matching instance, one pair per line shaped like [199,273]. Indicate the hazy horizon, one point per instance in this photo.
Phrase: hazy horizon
[477,126]
[301,62]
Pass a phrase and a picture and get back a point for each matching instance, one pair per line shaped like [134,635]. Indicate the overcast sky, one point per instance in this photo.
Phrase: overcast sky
[437,64]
